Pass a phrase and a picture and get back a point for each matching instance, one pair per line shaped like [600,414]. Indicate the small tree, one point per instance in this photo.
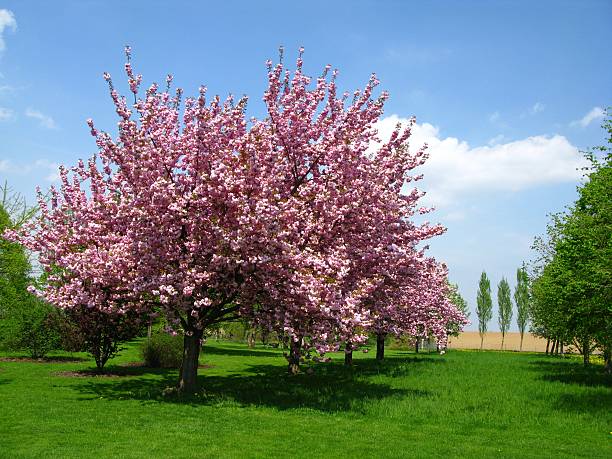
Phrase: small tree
[453,295]
[484,305]
[522,299]
[504,302]
[103,332]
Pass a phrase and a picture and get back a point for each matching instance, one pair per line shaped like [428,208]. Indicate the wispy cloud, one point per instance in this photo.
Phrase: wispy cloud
[7,22]
[6,114]
[494,117]
[455,168]
[536,108]
[595,114]
[49,168]
[44,120]
[497,139]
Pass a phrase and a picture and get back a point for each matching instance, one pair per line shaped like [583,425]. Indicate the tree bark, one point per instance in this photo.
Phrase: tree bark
[416,344]
[586,351]
[481,340]
[547,345]
[521,345]
[380,346]
[348,354]
[607,353]
[188,374]
[295,348]
[251,339]
[503,338]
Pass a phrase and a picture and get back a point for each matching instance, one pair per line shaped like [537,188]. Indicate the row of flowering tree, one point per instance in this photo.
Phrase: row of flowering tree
[294,221]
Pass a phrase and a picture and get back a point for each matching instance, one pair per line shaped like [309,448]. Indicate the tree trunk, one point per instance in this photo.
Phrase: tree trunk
[416,345]
[188,374]
[481,340]
[547,345]
[607,353]
[586,351]
[503,338]
[348,354]
[251,339]
[295,348]
[521,345]
[380,346]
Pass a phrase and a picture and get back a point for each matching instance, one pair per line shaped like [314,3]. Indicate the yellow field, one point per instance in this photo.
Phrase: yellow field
[492,340]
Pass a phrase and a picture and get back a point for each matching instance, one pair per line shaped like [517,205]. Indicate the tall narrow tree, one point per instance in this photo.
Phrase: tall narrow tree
[522,298]
[504,303]
[484,305]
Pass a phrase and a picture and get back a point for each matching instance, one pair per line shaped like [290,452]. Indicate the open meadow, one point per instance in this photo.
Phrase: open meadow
[461,404]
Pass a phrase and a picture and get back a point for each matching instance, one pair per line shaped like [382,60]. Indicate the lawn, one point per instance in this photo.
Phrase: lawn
[461,404]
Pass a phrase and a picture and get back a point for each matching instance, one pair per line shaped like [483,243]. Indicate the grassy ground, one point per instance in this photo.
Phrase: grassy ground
[462,404]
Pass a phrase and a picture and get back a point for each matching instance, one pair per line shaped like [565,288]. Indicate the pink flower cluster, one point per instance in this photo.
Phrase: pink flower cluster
[291,221]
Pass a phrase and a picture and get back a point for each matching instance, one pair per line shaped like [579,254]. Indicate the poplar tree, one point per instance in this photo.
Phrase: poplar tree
[504,303]
[484,305]
[522,300]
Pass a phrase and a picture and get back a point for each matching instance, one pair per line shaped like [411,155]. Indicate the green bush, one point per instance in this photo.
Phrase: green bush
[29,325]
[163,351]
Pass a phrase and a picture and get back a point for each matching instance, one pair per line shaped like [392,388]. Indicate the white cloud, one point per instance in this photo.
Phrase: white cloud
[7,21]
[50,168]
[45,120]
[455,168]
[6,114]
[596,113]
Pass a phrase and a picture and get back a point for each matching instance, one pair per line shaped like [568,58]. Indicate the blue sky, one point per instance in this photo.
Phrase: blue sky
[506,92]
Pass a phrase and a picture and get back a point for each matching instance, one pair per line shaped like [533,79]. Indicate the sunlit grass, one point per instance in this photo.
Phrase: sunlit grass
[462,404]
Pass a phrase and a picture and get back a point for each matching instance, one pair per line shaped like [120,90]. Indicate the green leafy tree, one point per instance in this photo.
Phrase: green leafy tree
[504,303]
[573,289]
[522,299]
[26,323]
[455,297]
[484,305]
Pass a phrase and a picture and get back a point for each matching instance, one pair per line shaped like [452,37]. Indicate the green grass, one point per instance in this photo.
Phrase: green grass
[462,404]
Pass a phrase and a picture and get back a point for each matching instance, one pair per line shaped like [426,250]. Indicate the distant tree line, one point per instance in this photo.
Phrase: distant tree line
[484,305]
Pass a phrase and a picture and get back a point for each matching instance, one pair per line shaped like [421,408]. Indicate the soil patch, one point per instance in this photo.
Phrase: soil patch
[91,374]
[43,360]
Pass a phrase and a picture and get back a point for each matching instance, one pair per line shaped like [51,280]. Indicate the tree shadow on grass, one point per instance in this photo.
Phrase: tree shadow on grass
[572,372]
[588,387]
[114,371]
[331,388]
[211,349]
[594,402]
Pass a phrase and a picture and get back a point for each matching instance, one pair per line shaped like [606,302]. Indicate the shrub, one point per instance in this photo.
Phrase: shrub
[163,350]
[102,333]
[29,325]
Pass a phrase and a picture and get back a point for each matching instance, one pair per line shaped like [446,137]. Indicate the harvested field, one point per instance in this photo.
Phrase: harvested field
[471,340]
